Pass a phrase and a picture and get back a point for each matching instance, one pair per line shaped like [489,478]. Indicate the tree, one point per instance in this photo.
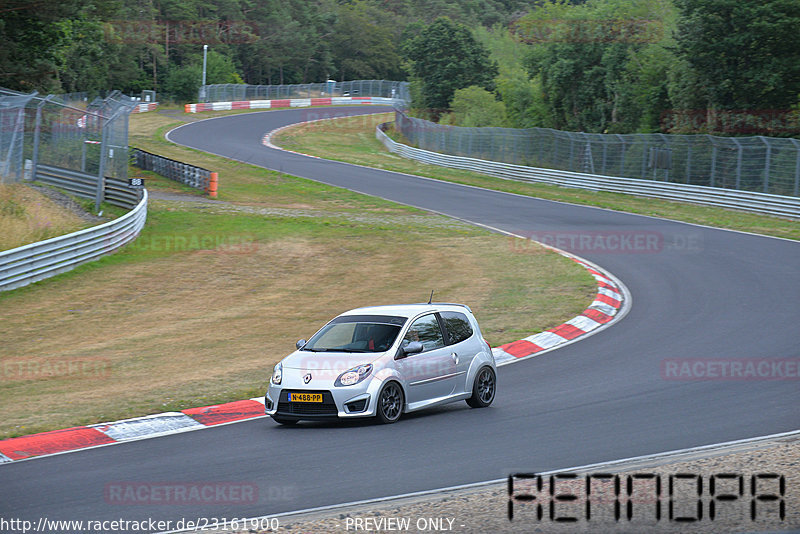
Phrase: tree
[183,83]
[476,107]
[745,55]
[445,57]
[362,45]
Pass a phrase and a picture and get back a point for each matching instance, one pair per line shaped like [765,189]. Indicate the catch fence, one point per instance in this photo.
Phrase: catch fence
[56,138]
[763,164]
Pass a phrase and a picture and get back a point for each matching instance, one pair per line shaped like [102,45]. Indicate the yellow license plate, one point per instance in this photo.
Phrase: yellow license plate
[305,397]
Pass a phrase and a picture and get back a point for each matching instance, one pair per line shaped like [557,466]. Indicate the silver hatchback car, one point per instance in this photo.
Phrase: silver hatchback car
[383,361]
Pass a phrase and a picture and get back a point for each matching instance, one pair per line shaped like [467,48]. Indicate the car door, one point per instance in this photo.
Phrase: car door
[462,344]
[430,374]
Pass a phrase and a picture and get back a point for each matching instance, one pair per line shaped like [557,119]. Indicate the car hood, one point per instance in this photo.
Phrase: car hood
[334,361]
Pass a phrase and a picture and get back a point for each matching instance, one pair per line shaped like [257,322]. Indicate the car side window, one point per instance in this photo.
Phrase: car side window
[457,325]
[426,330]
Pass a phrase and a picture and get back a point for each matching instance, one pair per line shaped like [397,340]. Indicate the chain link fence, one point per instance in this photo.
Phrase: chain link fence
[763,164]
[44,136]
[228,92]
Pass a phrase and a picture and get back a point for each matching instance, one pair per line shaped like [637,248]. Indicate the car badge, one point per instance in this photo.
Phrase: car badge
[307,378]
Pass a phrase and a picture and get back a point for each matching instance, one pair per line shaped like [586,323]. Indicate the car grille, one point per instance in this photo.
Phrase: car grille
[326,407]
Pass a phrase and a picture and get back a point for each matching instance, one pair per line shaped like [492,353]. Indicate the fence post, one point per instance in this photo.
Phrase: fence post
[738,163]
[36,136]
[19,127]
[605,151]
[713,159]
[796,144]
[688,160]
[101,180]
[644,158]
[766,163]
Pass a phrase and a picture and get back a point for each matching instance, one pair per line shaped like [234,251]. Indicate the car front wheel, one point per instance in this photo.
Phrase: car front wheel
[483,389]
[390,403]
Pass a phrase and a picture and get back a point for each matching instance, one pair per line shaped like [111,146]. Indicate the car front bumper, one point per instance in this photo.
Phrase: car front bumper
[337,402]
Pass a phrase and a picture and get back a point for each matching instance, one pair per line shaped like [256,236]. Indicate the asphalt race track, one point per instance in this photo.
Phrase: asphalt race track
[701,294]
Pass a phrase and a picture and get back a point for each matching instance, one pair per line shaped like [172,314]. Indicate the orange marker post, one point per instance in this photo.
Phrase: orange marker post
[212,185]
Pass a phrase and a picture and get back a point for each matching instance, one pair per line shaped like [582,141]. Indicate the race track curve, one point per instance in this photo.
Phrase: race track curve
[725,295]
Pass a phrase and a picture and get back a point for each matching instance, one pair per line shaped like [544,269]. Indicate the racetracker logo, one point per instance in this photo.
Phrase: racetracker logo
[58,368]
[730,369]
[176,32]
[608,242]
[181,493]
[171,243]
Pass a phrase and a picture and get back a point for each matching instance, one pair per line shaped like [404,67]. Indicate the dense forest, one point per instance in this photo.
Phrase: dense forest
[611,66]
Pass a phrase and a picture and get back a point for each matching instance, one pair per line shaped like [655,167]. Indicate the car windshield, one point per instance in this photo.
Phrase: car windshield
[356,333]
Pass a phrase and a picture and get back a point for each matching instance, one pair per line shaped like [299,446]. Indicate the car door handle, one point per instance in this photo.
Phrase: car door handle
[455,358]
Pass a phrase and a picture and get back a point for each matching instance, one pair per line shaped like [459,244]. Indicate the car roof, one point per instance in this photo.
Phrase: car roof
[408,310]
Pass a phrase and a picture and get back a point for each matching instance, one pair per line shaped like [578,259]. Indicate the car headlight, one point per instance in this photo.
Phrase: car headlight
[277,374]
[354,376]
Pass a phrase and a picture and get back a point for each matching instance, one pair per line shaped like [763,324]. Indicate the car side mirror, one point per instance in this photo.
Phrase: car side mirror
[300,344]
[415,347]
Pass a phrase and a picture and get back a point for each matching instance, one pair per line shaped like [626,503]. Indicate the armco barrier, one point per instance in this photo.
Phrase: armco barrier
[713,196]
[30,263]
[184,173]
[116,191]
[147,106]
[291,103]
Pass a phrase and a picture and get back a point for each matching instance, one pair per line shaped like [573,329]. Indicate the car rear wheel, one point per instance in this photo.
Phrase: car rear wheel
[283,420]
[390,403]
[483,389]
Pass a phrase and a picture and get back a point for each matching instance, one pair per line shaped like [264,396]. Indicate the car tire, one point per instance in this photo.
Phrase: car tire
[390,403]
[283,421]
[483,388]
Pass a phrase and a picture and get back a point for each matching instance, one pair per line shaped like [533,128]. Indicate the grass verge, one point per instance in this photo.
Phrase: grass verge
[28,216]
